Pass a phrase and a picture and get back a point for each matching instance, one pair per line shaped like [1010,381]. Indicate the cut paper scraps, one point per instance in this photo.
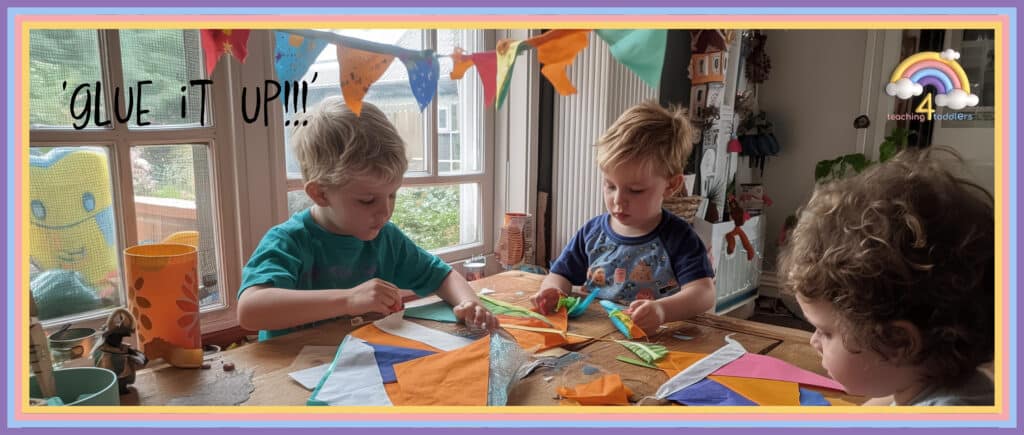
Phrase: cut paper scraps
[386,363]
[216,43]
[501,308]
[939,70]
[358,71]
[732,377]
[649,352]
[622,321]
[605,390]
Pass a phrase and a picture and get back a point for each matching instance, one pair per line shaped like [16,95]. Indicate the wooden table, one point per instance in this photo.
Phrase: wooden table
[269,362]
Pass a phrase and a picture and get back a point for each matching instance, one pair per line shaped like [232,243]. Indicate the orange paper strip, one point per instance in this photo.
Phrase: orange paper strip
[372,334]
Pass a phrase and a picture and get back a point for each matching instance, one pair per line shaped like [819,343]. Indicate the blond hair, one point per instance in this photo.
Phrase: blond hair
[334,144]
[648,133]
[907,239]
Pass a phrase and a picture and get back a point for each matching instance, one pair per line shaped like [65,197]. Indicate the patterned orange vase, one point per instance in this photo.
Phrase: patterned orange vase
[163,294]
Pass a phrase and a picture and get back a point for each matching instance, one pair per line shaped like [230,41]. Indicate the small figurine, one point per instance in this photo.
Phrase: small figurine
[115,355]
[739,217]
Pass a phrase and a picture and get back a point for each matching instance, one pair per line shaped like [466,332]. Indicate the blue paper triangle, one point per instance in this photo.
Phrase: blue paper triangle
[812,398]
[709,393]
[388,356]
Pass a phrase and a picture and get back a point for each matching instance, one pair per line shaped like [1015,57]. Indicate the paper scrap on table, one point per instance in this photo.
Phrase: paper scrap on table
[438,311]
[701,369]
[356,379]
[394,324]
[486,291]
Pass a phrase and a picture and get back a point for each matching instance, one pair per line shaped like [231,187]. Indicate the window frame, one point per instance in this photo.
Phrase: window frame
[119,139]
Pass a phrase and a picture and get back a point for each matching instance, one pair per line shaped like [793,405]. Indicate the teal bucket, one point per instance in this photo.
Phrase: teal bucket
[82,386]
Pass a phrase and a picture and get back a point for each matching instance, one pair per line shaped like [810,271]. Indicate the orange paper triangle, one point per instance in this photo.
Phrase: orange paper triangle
[556,50]
[457,377]
[606,390]
[764,392]
[358,71]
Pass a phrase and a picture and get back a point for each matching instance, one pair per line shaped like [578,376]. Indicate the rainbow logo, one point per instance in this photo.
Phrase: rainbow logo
[940,70]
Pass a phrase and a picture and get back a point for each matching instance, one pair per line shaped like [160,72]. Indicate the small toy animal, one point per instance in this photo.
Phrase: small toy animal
[115,355]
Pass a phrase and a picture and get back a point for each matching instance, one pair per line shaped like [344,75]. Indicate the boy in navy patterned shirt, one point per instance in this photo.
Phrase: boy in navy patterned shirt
[638,253]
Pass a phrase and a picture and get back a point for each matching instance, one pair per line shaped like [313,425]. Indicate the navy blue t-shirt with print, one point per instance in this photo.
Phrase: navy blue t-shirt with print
[624,269]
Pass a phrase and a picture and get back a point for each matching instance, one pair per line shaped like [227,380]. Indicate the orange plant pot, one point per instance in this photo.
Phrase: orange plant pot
[163,294]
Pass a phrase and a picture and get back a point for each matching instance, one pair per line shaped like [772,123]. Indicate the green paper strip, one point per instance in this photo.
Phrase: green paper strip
[636,362]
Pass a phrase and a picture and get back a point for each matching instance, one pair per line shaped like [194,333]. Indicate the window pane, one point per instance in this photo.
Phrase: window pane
[391,93]
[439,216]
[463,101]
[56,56]
[73,247]
[174,204]
[170,59]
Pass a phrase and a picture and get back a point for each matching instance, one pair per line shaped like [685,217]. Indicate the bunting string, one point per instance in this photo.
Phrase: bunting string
[362,62]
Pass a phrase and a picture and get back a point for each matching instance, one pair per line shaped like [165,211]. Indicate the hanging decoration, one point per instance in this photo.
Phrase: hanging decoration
[293,54]
[556,50]
[508,51]
[423,73]
[359,69]
[362,62]
[217,42]
[640,50]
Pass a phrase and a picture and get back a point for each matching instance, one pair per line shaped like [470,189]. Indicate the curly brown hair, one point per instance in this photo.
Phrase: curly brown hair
[907,240]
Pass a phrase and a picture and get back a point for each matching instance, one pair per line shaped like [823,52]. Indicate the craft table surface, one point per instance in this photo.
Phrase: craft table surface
[270,361]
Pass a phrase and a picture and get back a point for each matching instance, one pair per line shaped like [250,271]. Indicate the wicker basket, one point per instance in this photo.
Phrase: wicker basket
[683,206]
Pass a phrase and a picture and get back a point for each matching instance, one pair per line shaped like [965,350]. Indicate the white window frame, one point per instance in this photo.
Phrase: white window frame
[118,139]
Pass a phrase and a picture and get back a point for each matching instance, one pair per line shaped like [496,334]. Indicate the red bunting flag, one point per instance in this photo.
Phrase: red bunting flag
[217,42]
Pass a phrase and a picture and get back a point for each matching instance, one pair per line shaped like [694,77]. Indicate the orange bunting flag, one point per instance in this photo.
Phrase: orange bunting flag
[358,71]
[460,63]
[763,392]
[556,50]
[217,42]
[538,341]
[606,390]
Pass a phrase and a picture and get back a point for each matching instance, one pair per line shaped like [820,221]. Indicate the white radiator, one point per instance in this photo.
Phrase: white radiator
[604,89]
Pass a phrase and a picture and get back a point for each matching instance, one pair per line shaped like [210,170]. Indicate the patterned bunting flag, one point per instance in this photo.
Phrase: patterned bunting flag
[218,42]
[358,70]
[556,50]
[423,73]
[642,51]
[507,50]
[293,54]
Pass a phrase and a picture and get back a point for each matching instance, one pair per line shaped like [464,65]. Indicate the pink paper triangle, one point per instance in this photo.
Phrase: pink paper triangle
[752,365]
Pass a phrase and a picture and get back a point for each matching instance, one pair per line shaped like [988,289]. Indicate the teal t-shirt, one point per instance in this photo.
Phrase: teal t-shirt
[299,254]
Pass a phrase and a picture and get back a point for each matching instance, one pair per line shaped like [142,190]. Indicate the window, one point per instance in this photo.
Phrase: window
[977,57]
[444,204]
[99,185]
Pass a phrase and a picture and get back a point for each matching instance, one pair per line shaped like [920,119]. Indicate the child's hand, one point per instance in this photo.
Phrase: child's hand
[546,300]
[647,314]
[374,296]
[475,315]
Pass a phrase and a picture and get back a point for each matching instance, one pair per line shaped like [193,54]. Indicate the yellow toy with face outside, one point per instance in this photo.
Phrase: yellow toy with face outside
[71,212]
